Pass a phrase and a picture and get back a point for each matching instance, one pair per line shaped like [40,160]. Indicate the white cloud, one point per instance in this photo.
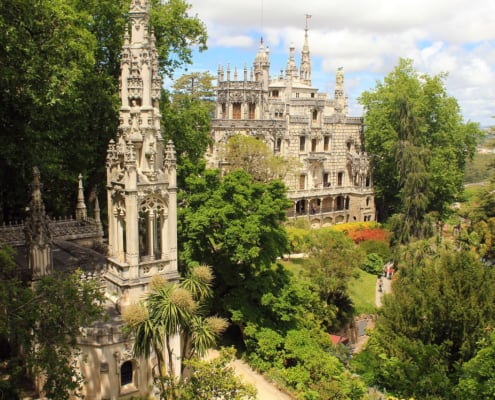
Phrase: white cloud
[367,37]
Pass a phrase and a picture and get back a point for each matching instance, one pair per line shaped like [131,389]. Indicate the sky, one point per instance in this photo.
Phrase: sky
[366,38]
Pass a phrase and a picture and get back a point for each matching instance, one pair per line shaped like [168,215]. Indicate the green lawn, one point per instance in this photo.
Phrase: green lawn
[362,291]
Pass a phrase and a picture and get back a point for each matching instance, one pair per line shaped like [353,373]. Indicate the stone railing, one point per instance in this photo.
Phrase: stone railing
[61,229]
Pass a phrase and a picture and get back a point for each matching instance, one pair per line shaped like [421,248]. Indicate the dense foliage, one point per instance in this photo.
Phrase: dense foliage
[39,325]
[441,304]
[419,146]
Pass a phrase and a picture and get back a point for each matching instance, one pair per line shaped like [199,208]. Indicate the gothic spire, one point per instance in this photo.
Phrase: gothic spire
[81,213]
[305,72]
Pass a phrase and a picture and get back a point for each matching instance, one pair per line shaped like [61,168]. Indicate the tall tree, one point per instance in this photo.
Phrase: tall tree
[419,146]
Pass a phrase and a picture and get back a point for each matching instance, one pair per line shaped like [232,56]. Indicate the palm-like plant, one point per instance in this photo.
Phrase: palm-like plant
[171,309]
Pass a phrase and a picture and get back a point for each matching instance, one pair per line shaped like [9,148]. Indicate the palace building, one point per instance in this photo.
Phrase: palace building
[332,182]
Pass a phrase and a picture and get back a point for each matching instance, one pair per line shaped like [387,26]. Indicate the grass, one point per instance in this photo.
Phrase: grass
[362,291]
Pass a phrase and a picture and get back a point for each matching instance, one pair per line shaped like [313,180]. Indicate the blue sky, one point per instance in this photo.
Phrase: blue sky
[366,38]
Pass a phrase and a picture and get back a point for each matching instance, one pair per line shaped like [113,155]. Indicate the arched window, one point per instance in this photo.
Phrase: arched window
[126,373]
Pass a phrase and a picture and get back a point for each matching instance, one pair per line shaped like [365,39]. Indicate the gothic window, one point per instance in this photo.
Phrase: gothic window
[302,181]
[315,115]
[313,145]
[347,202]
[368,181]
[326,182]
[236,111]
[278,145]
[340,178]
[126,373]
[252,108]
[224,111]
[152,217]
[302,143]
[326,143]
[367,201]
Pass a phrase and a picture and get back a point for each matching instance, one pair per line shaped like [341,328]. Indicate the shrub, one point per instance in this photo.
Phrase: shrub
[373,264]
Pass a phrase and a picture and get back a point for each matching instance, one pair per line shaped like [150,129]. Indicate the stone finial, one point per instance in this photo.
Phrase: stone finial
[81,212]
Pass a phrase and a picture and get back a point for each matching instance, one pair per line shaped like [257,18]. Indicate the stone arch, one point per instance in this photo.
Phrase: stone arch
[153,214]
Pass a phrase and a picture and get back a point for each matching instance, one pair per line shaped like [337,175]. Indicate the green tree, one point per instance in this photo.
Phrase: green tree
[39,326]
[333,259]
[233,223]
[477,376]
[419,146]
[174,309]
[253,156]
[442,301]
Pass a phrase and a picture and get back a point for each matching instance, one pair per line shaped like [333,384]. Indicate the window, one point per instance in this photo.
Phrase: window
[302,181]
[315,115]
[326,143]
[274,93]
[302,143]
[252,108]
[368,181]
[313,145]
[278,145]
[326,182]
[367,201]
[340,178]
[224,111]
[126,373]
[297,95]
[236,111]
[312,95]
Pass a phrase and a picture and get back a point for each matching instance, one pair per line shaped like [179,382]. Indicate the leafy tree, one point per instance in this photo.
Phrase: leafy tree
[442,301]
[253,156]
[373,264]
[477,377]
[419,146]
[233,223]
[174,309]
[39,325]
[333,260]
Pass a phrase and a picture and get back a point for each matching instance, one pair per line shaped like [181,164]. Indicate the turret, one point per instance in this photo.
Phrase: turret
[261,65]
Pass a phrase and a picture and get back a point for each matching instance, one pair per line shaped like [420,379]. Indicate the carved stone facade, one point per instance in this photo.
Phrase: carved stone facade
[333,183]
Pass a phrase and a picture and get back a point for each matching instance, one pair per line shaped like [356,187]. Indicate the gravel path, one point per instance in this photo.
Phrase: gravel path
[266,390]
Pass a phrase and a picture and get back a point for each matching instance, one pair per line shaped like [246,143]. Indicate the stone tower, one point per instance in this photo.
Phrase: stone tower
[141,173]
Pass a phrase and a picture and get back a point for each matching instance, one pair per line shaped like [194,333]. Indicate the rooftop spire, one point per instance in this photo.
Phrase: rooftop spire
[305,72]
[81,213]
